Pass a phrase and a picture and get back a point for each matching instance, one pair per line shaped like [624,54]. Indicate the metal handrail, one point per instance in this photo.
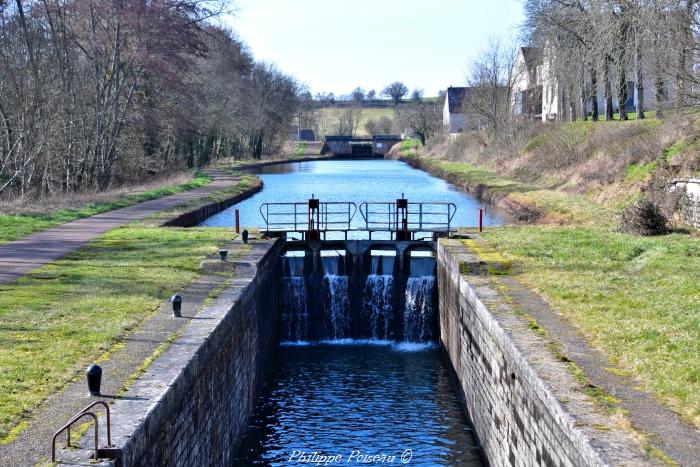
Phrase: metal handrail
[333,215]
[84,412]
[422,216]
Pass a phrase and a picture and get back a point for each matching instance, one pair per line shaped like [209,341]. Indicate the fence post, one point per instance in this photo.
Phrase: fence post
[238,221]
[481,219]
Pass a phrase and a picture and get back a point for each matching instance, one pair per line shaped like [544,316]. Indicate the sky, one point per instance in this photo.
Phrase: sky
[338,45]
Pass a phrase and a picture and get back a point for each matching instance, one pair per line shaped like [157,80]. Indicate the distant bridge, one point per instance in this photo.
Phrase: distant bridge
[375,147]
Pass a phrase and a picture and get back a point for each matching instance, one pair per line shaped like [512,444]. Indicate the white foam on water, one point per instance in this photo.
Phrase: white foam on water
[413,346]
[295,343]
[396,346]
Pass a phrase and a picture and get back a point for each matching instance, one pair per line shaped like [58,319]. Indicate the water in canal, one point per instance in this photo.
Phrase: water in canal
[350,385]
[355,399]
[353,180]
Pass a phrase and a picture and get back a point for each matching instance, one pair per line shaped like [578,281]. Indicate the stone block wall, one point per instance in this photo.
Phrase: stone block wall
[689,201]
[519,418]
[193,403]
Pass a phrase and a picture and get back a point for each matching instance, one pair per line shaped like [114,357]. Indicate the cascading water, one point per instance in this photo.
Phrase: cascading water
[378,305]
[419,311]
[338,300]
[378,296]
[295,311]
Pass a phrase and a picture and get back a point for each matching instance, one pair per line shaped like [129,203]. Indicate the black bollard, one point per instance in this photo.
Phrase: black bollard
[222,254]
[244,235]
[94,379]
[176,300]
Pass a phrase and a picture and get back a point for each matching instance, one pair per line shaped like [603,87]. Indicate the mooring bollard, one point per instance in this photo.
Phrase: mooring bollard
[222,254]
[94,379]
[244,235]
[238,221]
[176,301]
[481,219]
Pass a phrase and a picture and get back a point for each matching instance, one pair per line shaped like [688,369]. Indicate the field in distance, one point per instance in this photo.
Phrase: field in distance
[330,115]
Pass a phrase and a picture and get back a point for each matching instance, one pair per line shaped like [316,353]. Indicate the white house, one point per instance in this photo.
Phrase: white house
[452,113]
[527,83]
[552,100]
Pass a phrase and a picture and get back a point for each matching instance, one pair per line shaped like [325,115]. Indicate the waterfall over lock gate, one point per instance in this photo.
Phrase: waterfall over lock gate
[338,305]
[377,304]
[419,310]
[332,297]
[295,311]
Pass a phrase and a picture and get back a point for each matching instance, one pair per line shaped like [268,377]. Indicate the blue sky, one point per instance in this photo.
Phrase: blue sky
[336,45]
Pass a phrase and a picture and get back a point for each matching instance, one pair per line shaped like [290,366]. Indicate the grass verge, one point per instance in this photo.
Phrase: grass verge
[61,317]
[525,201]
[636,298]
[300,149]
[13,227]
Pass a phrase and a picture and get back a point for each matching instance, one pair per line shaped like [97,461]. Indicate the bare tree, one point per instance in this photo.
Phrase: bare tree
[422,118]
[99,93]
[491,79]
[358,95]
[349,121]
[396,91]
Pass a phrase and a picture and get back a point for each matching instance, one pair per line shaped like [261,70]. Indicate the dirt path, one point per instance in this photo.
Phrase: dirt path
[26,254]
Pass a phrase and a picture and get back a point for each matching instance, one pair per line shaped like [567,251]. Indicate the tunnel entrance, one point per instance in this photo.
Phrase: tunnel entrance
[361,149]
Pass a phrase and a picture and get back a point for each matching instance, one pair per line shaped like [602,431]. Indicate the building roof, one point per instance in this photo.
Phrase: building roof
[532,56]
[455,98]
[307,134]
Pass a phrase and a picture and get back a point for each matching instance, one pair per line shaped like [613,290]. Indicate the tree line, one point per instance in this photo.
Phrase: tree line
[599,47]
[98,93]
[591,52]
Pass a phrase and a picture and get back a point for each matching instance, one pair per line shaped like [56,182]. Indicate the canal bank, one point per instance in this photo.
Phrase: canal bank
[594,427]
[193,404]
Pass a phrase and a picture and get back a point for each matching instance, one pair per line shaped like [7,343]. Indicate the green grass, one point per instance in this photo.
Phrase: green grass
[13,226]
[301,149]
[409,145]
[636,172]
[550,205]
[631,115]
[636,298]
[333,113]
[245,183]
[678,148]
[63,316]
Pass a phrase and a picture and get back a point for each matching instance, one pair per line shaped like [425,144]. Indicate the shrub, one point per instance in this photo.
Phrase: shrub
[643,218]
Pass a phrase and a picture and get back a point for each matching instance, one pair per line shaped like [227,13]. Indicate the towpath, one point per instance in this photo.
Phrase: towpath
[26,254]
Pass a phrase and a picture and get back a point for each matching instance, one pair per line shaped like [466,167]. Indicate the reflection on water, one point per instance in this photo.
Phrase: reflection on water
[369,397]
[353,180]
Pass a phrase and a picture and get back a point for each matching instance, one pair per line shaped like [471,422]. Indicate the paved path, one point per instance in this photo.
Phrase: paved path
[33,445]
[26,254]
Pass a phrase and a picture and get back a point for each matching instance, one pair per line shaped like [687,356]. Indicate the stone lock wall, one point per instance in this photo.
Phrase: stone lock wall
[193,403]
[519,418]
[689,202]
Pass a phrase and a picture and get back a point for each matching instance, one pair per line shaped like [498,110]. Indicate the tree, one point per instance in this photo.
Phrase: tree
[349,121]
[98,93]
[358,95]
[371,95]
[395,91]
[371,126]
[423,118]
[417,95]
[595,43]
[385,125]
[491,80]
